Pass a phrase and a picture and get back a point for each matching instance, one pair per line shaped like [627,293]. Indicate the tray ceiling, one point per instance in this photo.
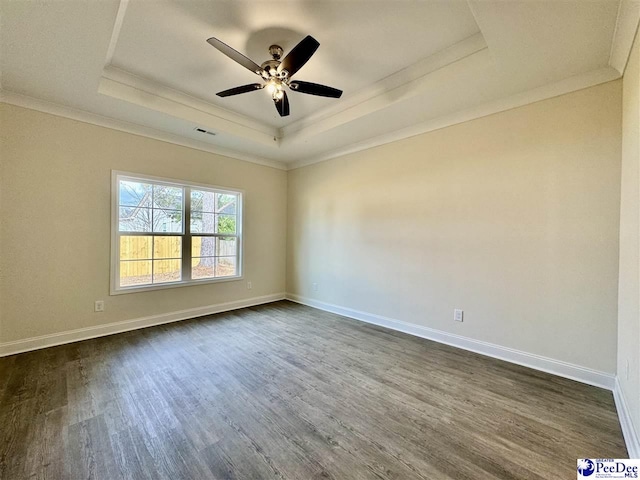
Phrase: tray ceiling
[404,67]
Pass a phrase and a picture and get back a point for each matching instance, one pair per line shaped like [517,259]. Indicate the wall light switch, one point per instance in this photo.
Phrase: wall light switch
[458,315]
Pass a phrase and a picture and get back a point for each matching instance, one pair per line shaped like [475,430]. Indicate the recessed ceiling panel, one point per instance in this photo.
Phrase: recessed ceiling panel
[360,43]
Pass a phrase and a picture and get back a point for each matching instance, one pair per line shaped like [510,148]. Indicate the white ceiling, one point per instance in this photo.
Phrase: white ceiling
[404,66]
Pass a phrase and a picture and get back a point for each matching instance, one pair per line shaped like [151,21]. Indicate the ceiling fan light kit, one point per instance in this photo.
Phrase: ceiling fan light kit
[277,73]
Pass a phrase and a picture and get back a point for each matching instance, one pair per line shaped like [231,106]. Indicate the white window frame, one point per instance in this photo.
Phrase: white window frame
[116,176]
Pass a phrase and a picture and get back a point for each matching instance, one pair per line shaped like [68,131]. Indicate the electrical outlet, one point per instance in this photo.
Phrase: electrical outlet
[315,286]
[249,286]
[98,306]
[458,315]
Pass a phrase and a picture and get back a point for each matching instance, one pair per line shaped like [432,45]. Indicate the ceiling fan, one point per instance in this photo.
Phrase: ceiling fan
[277,73]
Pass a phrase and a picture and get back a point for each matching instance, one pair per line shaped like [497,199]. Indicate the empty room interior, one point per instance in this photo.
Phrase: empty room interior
[319,239]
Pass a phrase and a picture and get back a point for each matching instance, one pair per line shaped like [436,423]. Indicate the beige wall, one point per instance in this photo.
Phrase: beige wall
[629,290]
[513,218]
[55,180]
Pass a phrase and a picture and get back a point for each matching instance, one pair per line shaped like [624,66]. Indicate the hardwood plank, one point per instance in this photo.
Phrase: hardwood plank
[88,450]
[47,461]
[17,424]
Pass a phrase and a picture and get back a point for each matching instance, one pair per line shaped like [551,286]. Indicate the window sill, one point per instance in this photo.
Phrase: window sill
[164,286]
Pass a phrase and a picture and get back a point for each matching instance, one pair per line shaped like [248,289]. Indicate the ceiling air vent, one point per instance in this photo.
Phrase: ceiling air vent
[202,130]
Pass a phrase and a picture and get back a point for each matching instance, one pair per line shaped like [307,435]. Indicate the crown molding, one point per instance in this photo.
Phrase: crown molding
[56,109]
[568,85]
[624,34]
[571,84]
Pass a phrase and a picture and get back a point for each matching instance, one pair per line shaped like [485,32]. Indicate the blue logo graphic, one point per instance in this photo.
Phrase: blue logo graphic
[585,467]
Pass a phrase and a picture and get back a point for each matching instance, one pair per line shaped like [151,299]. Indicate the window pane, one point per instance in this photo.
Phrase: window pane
[167,247]
[203,267]
[203,246]
[226,203]
[134,219]
[226,246]
[167,220]
[135,247]
[196,200]
[167,271]
[167,197]
[225,266]
[137,272]
[226,224]
[202,201]
[135,194]
[203,222]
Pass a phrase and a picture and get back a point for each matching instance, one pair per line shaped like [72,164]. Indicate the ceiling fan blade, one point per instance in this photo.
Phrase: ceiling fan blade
[235,55]
[300,54]
[282,105]
[242,89]
[315,89]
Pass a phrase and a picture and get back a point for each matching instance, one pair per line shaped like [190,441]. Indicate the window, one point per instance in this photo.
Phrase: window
[167,233]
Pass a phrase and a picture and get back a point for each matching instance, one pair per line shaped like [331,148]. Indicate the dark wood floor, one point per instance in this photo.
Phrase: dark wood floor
[285,391]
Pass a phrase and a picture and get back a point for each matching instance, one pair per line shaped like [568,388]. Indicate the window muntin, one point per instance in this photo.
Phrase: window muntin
[154,246]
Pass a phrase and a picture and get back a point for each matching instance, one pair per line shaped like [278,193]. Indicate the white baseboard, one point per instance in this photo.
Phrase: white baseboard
[43,341]
[628,430]
[537,362]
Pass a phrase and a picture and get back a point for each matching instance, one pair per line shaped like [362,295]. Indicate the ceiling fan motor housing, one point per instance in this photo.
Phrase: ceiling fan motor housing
[270,65]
